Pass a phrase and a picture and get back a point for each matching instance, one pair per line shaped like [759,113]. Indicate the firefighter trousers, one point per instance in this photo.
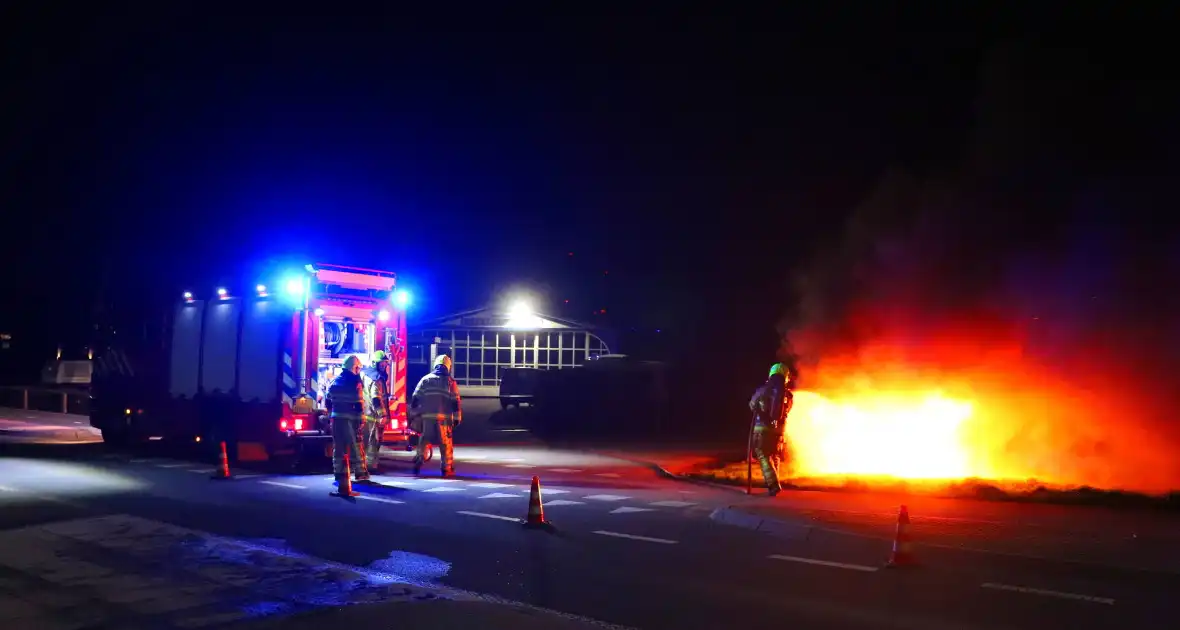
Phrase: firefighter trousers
[766,446]
[344,428]
[371,431]
[442,434]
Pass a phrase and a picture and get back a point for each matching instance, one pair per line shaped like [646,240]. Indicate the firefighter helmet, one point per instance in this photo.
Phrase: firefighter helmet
[351,362]
[378,356]
[779,368]
[443,360]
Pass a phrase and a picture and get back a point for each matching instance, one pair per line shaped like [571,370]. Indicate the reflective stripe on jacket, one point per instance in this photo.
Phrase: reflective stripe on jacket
[437,398]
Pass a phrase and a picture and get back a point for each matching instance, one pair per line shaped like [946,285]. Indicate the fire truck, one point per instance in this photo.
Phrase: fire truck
[251,368]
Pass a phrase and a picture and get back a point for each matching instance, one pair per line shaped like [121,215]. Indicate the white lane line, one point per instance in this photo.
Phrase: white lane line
[172,465]
[368,497]
[519,466]
[500,495]
[490,484]
[673,504]
[396,483]
[544,492]
[1040,591]
[630,510]
[825,563]
[565,470]
[437,480]
[282,484]
[663,541]
[444,489]
[495,516]
[611,475]
[202,471]
[606,497]
[138,461]
[564,502]
[246,476]
[510,460]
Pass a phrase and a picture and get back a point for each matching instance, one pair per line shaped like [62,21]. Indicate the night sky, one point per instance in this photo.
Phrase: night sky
[695,165]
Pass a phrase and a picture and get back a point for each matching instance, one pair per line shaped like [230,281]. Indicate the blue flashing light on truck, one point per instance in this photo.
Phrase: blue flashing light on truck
[252,370]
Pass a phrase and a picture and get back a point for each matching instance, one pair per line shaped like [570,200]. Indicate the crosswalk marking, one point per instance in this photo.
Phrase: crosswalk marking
[563,502]
[673,504]
[437,480]
[634,537]
[628,510]
[396,483]
[552,491]
[498,517]
[500,495]
[444,489]
[606,497]
[491,484]
[246,476]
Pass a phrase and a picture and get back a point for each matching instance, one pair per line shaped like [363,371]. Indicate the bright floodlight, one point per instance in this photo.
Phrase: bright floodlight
[383,315]
[294,287]
[319,312]
[401,298]
[188,295]
[221,292]
[521,316]
[260,288]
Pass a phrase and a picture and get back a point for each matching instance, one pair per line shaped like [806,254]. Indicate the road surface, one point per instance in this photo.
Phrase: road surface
[89,538]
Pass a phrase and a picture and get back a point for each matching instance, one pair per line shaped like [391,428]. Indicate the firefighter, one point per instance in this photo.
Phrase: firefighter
[435,405]
[771,403]
[347,403]
[376,380]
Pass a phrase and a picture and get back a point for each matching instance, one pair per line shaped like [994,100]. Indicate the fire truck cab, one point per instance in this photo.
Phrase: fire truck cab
[252,370]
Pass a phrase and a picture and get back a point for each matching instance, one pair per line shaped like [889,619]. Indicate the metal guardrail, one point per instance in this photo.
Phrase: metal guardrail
[75,400]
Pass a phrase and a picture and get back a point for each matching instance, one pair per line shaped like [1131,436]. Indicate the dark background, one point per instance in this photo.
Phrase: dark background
[720,175]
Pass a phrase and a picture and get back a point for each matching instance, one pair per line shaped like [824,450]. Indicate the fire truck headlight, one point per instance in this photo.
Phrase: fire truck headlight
[383,316]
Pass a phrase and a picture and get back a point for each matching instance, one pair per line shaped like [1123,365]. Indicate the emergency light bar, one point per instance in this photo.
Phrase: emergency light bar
[355,277]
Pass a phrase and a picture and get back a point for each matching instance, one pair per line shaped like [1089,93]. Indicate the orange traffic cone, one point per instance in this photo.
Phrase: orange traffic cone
[345,488]
[903,554]
[536,517]
[223,467]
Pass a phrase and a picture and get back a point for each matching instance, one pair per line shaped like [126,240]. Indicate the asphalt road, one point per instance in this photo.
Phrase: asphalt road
[89,538]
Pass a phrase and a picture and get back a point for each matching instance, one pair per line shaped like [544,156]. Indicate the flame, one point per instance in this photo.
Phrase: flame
[911,436]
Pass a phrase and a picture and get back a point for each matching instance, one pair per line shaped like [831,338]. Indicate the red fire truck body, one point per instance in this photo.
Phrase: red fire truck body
[252,370]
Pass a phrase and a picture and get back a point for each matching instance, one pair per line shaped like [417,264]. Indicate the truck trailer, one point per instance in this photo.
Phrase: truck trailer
[251,368]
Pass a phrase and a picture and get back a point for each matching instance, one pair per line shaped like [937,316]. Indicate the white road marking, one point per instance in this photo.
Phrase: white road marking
[500,495]
[202,471]
[1040,591]
[553,491]
[565,470]
[172,465]
[495,516]
[630,510]
[606,497]
[246,476]
[396,483]
[437,480]
[443,489]
[664,541]
[369,497]
[611,475]
[564,502]
[7,489]
[490,484]
[519,466]
[283,484]
[825,563]
[672,504]
[138,461]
